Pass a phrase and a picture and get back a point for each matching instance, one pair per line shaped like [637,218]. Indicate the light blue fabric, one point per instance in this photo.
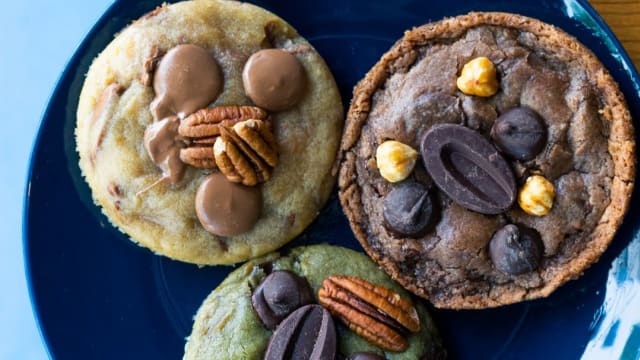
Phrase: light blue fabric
[38,37]
[618,331]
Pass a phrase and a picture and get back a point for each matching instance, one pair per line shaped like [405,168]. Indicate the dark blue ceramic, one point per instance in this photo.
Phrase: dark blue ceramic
[96,295]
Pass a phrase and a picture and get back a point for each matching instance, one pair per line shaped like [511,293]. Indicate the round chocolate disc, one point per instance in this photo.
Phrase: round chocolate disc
[274,79]
[225,208]
[187,78]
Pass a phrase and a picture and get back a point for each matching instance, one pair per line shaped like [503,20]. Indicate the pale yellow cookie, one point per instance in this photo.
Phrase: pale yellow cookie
[114,111]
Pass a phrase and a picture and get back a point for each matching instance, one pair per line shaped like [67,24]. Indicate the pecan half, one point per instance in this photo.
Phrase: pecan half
[258,136]
[246,153]
[201,129]
[204,125]
[374,312]
[198,156]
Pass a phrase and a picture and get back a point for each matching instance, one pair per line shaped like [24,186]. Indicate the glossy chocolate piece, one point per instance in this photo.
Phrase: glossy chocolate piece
[468,168]
[307,334]
[516,249]
[225,208]
[520,133]
[278,295]
[274,79]
[162,142]
[187,79]
[408,209]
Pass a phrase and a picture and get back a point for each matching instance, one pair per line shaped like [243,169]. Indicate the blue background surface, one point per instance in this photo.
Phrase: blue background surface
[38,37]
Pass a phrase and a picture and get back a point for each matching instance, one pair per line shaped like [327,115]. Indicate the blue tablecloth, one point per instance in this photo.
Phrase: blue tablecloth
[38,37]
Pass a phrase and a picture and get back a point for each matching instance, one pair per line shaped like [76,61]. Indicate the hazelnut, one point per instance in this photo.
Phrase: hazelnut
[478,77]
[395,160]
[536,196]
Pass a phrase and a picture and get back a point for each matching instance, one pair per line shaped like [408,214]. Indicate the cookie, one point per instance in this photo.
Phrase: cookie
[234,323]
[207,130]
[507,165]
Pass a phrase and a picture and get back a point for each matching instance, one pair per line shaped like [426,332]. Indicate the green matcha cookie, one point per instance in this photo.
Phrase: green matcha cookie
[227,326]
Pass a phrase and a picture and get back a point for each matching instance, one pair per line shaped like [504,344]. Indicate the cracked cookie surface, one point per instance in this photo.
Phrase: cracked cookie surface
[589,155]
[114,110]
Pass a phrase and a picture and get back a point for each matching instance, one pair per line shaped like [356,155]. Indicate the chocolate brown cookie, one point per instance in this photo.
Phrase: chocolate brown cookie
[528,165]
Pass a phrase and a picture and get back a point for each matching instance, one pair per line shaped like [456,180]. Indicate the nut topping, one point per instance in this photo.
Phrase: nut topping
[202,128]
[395,160]
[246,153]
[374,312]
[198,156]
[256,134]
[536,196]
[478,77]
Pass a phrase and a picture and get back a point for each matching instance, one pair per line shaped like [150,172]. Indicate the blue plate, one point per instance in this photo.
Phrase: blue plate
[98,296]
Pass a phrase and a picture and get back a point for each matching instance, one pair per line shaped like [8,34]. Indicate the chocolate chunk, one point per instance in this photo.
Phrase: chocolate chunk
[274,79]
[520,133]
[408,209]
[225,208]
[516,249]
[163,148]
[365,356]
[466,167]
[278,295]
[186,79]
[308,333]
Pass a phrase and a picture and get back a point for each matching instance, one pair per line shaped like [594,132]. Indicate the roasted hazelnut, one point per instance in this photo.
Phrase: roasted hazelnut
[536,196]
[395,160]
[478,77]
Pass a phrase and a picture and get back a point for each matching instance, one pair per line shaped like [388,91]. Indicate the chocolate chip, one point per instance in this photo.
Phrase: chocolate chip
[308,333]
[186,79]
[466,167]
[516,249]
[408,209]
[365,356]
[520,133]
[278,295]
[274,79]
